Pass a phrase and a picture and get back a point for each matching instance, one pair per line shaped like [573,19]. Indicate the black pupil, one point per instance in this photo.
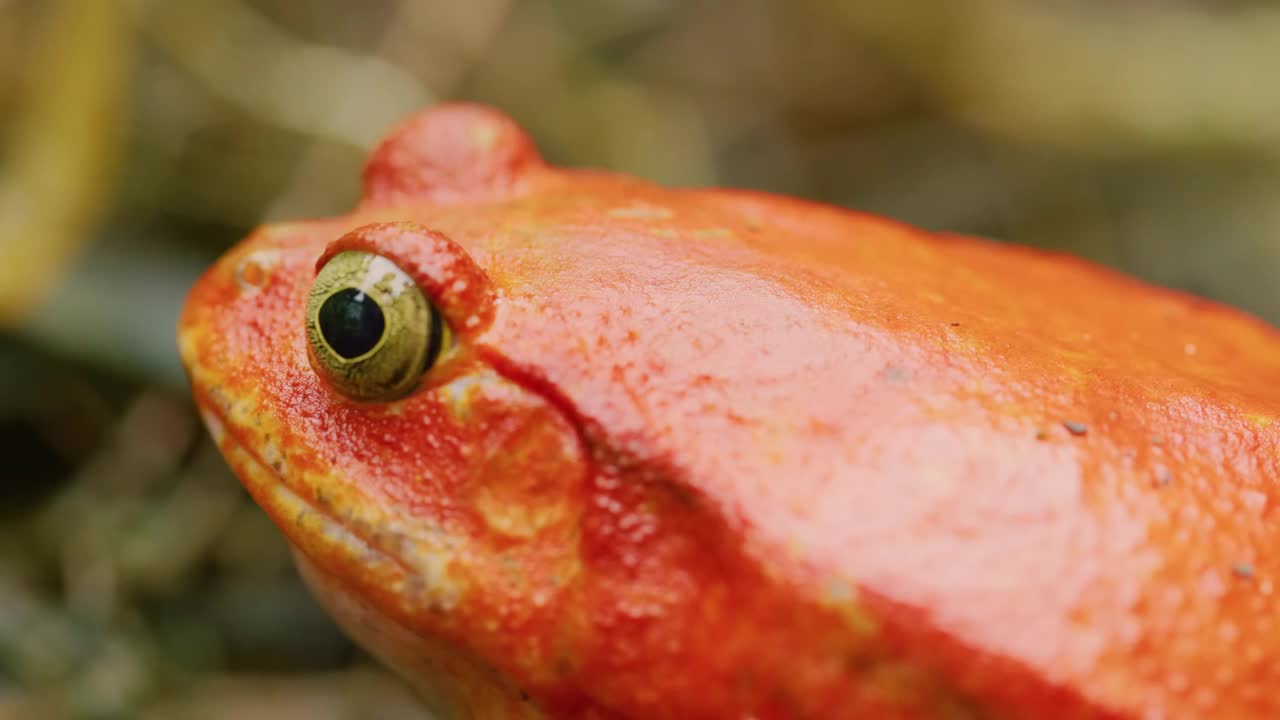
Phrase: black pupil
[351,322]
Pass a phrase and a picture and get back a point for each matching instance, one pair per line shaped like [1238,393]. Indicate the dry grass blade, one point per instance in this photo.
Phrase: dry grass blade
[63,149]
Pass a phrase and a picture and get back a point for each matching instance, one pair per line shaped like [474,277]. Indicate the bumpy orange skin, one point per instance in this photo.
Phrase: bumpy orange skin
[716,454]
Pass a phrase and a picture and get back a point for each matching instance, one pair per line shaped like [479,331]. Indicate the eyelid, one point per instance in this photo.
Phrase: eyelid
[446,274]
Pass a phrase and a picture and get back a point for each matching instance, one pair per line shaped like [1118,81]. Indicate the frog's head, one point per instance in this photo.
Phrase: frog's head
[344,368]
[499,412]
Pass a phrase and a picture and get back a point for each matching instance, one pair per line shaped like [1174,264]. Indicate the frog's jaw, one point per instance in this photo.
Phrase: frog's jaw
[322,515]
[411,572]
[452,683]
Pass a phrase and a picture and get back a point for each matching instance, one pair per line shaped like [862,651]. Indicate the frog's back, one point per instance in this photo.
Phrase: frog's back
[1001,453]
[1054,463]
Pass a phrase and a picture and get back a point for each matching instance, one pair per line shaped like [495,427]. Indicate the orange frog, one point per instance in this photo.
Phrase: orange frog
[565,444]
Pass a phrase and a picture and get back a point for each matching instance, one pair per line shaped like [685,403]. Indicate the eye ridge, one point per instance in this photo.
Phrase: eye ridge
[352,323]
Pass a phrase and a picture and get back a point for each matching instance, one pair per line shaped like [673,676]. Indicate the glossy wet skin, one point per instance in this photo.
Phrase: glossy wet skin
[717,454]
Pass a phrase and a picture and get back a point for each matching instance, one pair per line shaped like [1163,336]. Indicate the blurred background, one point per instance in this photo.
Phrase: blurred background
[138,140]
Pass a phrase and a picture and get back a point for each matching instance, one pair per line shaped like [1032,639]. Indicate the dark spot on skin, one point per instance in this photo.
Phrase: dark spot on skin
[1075,428]
[1042,434]
[954,324]
[524,696]
[895,373]
[684,497]
[1242,570]
[859,664]
[956,708]
[564,666]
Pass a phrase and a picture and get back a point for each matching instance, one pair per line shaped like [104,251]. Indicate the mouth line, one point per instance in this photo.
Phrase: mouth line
[252,468]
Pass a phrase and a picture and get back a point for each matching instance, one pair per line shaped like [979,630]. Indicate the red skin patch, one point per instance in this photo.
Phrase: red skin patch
[718,454]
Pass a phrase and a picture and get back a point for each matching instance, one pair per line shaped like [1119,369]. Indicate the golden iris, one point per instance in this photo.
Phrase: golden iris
[371,330]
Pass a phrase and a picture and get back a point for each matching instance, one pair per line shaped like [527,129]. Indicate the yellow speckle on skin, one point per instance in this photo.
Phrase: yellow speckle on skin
[715,232]
[842,596]
[525,481]
[1261,421]
[270,453]
[214,425]
[641,211]
[518,520]
[795,548]
[394,409]
[484,136]
[457,394]
[254,270]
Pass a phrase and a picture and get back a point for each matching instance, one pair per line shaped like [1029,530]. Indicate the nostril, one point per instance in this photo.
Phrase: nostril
[254,270]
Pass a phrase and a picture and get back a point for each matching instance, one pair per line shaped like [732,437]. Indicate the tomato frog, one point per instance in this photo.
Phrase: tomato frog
[567,444]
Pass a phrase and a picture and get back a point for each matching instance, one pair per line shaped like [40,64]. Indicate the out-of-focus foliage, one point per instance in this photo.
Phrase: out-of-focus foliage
[140,138]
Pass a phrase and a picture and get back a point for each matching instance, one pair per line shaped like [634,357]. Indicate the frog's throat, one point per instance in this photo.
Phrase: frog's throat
[452,684]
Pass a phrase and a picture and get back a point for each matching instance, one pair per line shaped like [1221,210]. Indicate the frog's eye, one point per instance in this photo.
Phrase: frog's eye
[371,331]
